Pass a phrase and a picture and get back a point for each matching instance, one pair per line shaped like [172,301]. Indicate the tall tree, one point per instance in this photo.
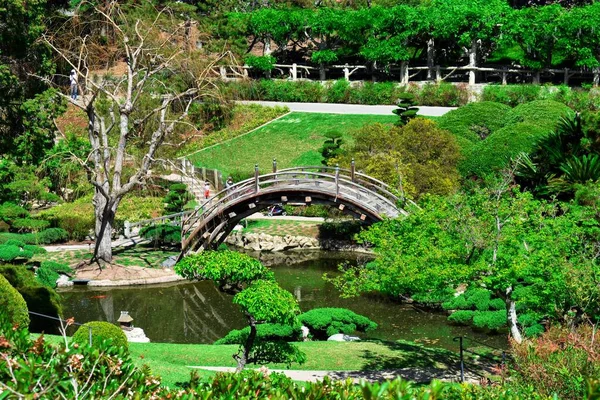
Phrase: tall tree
[133,113]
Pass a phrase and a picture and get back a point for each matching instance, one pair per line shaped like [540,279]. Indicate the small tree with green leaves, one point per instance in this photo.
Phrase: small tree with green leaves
[177,198]
[260,298]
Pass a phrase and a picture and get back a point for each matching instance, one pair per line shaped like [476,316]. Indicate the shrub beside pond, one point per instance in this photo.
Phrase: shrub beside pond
[101,332]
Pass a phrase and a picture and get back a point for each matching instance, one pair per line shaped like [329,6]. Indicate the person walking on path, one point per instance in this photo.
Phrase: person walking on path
[73,80]
[206,190]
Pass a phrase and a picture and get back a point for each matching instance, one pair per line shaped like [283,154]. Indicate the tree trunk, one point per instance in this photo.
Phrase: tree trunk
[104,211]
[511,313]
[243,359]
[472,61]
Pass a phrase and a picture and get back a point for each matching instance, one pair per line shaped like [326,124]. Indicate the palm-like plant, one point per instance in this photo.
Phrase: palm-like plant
[570,155]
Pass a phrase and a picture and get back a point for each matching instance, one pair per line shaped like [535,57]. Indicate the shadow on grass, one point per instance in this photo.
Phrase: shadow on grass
[412,362]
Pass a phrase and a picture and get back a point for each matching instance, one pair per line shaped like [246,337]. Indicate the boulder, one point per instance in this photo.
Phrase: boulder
[340,337]
[64,281]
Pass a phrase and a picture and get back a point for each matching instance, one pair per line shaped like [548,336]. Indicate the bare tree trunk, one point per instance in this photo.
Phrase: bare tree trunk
[511,316]
[244,357]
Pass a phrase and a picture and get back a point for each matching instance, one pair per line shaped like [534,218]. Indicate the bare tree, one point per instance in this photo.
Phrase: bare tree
[132,111]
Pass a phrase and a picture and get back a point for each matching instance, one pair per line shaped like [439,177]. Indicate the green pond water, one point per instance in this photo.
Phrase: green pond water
[198,313]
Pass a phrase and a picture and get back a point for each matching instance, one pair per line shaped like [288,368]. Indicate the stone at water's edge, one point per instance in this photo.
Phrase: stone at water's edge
[136,335]
[340,337]
[64,281]
[169,262]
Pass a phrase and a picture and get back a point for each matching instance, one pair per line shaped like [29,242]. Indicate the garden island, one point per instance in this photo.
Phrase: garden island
[300,199]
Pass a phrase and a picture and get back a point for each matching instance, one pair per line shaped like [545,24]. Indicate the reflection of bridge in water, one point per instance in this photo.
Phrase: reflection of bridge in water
[353,193]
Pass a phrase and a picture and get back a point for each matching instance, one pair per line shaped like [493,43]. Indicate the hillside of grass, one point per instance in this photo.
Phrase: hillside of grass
[293,140]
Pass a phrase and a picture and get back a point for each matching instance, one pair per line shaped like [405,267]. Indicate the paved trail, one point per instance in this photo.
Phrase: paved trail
[328,108]
[420,375]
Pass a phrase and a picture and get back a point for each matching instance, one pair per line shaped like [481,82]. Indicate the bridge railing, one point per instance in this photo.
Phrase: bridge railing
[372,193]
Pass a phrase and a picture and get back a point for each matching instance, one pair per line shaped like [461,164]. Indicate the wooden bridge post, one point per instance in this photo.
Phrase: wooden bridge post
[255,178]
[352,170]
[337,180]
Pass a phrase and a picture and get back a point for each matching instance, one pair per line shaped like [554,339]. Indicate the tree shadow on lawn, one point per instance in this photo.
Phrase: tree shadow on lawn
[412,362]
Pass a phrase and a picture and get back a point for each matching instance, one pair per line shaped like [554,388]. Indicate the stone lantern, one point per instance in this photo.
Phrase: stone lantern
[125,321]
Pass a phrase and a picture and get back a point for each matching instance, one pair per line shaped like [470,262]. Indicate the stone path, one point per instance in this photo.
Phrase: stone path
[328,108]
[413,374]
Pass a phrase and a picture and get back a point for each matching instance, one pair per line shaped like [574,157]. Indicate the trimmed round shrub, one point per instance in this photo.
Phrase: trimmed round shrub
[490,319]
[265,332]
[324,322]
[13,303]
[495,152]
[10,252]
[39,298]
[52,235]
[10,211]
[30,224]
[101,331]
[462,317]
[543,113]
[476,121]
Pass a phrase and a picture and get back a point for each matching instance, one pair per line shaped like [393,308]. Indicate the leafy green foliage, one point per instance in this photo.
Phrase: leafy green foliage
[30,224]
[101,332]
[344,230]
[162,234]
[49,272]
[10,212]
[567,157]
[176,198]
[325,322]
[12,304]
[543,113]
[260,63]
[267,302]
[39,298]
[232,271]
[265,332]
[475,121]
[417,158]
[51,236]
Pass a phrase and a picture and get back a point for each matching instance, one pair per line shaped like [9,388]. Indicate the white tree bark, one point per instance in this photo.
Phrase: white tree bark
[512,316]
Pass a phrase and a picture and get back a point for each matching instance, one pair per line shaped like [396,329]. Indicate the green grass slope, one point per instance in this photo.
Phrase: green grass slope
[293,140]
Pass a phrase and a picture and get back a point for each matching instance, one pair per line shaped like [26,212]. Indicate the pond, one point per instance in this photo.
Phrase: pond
[197,312]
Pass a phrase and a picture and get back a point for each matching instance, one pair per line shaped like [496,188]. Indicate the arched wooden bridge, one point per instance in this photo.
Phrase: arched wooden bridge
[351,192]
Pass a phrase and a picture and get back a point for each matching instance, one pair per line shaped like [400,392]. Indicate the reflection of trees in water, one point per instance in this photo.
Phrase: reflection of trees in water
[204,317]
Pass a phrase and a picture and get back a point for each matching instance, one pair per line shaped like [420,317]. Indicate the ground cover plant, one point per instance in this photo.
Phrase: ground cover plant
[282,227]
[294,140]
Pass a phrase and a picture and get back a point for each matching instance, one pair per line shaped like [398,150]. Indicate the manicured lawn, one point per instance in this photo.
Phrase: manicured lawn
[293,140]
[282,227]
[171,361]
[138,256]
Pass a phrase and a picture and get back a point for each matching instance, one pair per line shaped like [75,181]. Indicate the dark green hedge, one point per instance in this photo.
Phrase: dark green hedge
[101,331]
[13,303]
[324,322]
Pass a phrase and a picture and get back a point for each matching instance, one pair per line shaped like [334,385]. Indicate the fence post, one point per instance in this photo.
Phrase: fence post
[217,181]
[337,180]
[438,73]
[255,178]
[352,169]
[346,73]
[504,73]
[223,72]
[127,229]
[566,76]
[294,72]
[596,80]
[274,166]
[404,77]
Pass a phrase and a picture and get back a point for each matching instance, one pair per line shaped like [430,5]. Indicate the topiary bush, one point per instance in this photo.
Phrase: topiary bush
[543,113]
[10,211]
[101,332]
[13,303]
[162,235]
[475,121]
[50,271]
[265,332]
[11,252]
[30,224]
[176,198]
[39,298]
[52,235]
[324,322]
[496,152]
